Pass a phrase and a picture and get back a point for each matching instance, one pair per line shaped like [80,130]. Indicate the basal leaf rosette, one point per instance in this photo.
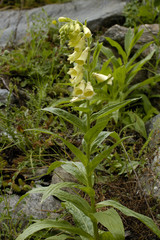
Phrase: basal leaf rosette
[77,36]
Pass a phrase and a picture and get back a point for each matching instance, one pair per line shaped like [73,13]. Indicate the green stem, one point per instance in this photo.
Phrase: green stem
[90,177]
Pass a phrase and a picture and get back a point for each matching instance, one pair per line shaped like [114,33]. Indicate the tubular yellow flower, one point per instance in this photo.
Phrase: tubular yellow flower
[75,55]
[109,82]
[64,19]
[83,57]
[73,72]
[74,41]
[80,45]
[101,77]
[88,91]
[86,31]
[77,79]
[78,90]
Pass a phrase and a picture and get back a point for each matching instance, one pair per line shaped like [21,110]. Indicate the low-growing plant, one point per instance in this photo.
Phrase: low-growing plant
[141,12]
[121,71]
[92,125]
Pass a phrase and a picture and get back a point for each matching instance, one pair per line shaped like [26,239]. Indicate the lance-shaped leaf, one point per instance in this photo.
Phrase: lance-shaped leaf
[80,219]
[68,117]
[112,221]
[59,237]
[48,223]
[119,48]
[110,109]
[103,155]
[93,132]
[146,220]
[77,169]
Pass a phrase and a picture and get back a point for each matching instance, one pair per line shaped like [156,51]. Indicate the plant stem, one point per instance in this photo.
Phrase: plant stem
[90,177]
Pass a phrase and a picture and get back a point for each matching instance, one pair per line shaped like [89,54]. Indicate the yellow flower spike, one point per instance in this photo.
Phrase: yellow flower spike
[73,72]
[77,79]
[86,31]
[80,45]
[78,90]
[88,91]
[101,77]
[64,19]
[75,55]
[54,22]
[83,57]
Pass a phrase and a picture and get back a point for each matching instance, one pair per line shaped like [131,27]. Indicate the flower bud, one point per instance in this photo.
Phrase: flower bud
[86,31]
[64,19]
[54,22]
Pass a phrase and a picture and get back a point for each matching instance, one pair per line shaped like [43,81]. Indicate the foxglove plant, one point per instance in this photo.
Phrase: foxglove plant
[86,214]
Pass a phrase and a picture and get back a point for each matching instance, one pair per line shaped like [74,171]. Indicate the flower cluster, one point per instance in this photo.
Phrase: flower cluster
[77,34]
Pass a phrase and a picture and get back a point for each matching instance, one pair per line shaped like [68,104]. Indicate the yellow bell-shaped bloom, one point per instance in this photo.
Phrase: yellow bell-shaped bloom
[83,57]
[76,80]
[74,40]
[78,90]
[80,44]
[75,55]
[88,91]
[86,31]
[101,77]
[73,72]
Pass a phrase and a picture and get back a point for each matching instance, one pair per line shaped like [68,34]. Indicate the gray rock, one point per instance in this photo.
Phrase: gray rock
[4,94]
[117,33]
[150,180]
[153,125]
[101,13]
[30,206]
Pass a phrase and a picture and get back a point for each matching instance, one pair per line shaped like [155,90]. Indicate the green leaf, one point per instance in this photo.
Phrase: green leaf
[80,219]
[54,189]
[119,48]
[136,55]
[54,165]
[78,153]
[146,220]
[112,221]
[119,77]
[95,56]
[110,109]
[137,124]
[100,138]
[48,223]
[93,132]
[106,235]
[68,117]
[138,66]
[77,169]
[141,84]
[128,40]
[109,54]
[103,155]
[59,237]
